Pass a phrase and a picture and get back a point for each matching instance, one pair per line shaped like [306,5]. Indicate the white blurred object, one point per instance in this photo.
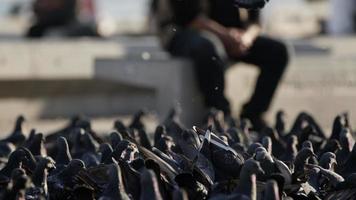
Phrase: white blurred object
[341,17]
[289,19]
[121,16]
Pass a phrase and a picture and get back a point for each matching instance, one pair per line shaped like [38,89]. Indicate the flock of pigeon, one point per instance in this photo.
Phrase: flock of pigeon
[223,159]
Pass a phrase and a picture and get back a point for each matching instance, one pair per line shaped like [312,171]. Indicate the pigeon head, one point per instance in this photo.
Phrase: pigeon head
[262,154]
[332,145]
[252,148]
[346,140]
[119,126]
[27,159]
[328,161]
[252,167]
[165,144]
[37,145]
[125,150]
[280,121]
[190,137]
[115,138]
[267,144]
[45,164]
[76,165]
[159,132]
[19,122]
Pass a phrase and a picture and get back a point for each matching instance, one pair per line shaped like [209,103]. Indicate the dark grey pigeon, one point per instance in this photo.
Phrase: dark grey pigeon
[63,156]
[328,161]
[115,138]
[247,186]
[300,161]
[332,146]
[149,186]
[309,144]
[346,142]
[195,189]
[14,162]
[349,165]
[144,141]
[252,149]
[159,133]
[37,146]
[338,125]
[278,143]
[125,150]
[136,122]
[119,126]
[280,125]
[6,148]
[61,184]
[106,152]
[291,150]
[271,191]
[115,189]
[266,161]
[267,144]
[19,183]
[39,178]
[334,178]
[17,137]
[131,179]
[180,194]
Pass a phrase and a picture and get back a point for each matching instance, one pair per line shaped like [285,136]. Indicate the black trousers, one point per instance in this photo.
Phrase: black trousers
[270,56]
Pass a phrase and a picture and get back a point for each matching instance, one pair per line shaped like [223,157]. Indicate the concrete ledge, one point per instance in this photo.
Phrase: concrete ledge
[172,79]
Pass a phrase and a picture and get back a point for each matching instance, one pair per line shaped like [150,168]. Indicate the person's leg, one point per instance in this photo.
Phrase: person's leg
[209,67]
[271,57]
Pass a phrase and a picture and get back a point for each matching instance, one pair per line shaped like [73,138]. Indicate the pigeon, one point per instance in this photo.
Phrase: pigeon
[301,159]
[271,191]
[328,161]
[63,156]
[106,152]
[37,145]
[280,125]
[19,183]
[136,122]
[17,137]
[115,189]
[149,186]
[115,138]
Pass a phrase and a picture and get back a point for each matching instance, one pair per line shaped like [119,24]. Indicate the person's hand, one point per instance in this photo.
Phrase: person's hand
[250,4]
[234,44]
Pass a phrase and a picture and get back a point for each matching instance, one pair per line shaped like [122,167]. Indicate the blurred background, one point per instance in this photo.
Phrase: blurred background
[55,77]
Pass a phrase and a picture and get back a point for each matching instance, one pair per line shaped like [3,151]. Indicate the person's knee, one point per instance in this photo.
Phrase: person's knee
[203,47]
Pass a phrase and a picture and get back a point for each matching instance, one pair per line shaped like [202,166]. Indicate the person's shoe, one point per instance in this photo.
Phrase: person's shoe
[251,4]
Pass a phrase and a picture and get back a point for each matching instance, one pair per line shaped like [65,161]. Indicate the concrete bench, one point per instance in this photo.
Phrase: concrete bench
[171,79]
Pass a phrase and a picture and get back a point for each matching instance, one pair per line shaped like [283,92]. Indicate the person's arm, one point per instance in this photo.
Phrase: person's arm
[236,42]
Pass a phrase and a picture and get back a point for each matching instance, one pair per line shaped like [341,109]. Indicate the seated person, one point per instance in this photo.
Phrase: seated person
[199,29]
[58,16]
